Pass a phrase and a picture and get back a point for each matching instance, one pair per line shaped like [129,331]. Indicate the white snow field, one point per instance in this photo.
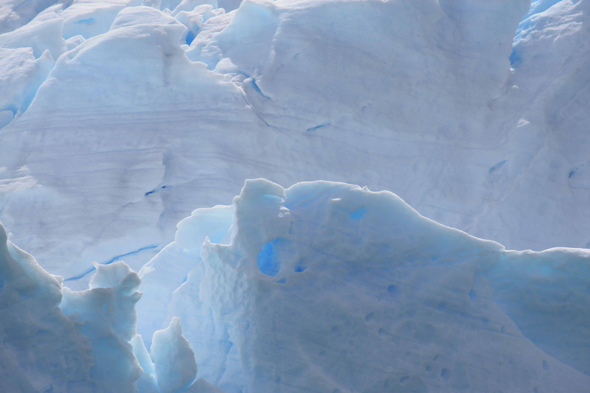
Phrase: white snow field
[120,117]
[323,287]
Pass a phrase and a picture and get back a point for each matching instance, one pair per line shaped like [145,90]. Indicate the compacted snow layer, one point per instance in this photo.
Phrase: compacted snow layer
[322,287]
[120,117]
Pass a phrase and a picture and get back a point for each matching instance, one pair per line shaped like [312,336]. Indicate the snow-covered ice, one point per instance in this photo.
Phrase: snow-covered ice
[106,312]
[129,115]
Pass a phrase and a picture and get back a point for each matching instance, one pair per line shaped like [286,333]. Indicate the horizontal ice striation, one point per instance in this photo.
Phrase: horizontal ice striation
[131,132]
[359,293]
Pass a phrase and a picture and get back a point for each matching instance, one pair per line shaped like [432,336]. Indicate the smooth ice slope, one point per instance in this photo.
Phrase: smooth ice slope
[328,287]
[161,107]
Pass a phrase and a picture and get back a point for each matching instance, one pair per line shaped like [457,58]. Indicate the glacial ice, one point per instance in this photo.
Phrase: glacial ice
[119,117]
[41,347]
[365,295]
[174,361]
[106,312]
[148,110]
[58,340]
[369,296]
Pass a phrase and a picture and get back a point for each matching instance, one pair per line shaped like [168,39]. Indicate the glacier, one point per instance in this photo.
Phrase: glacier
[321,287]
[119,118]
[129,115]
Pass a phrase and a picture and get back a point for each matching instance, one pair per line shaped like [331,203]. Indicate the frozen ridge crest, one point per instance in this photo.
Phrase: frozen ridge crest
[321,287]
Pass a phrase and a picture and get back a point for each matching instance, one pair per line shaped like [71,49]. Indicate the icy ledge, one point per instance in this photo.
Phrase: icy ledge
[323,287]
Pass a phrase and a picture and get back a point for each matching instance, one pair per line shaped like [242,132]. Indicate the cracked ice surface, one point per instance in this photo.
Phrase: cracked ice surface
[131,128]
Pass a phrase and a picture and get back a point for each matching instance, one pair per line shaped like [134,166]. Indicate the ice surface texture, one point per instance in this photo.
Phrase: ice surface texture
[107,314]
[84,341]
[174,361]
[328,287]
[322,287]
[42,349]
[128,115]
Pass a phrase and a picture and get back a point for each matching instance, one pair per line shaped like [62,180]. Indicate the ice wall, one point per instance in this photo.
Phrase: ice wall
[548,94]
[328,287]
[321,287]
[131,115]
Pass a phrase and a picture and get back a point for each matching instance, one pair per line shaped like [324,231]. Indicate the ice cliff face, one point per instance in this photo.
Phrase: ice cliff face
[322,287]
[128,115]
